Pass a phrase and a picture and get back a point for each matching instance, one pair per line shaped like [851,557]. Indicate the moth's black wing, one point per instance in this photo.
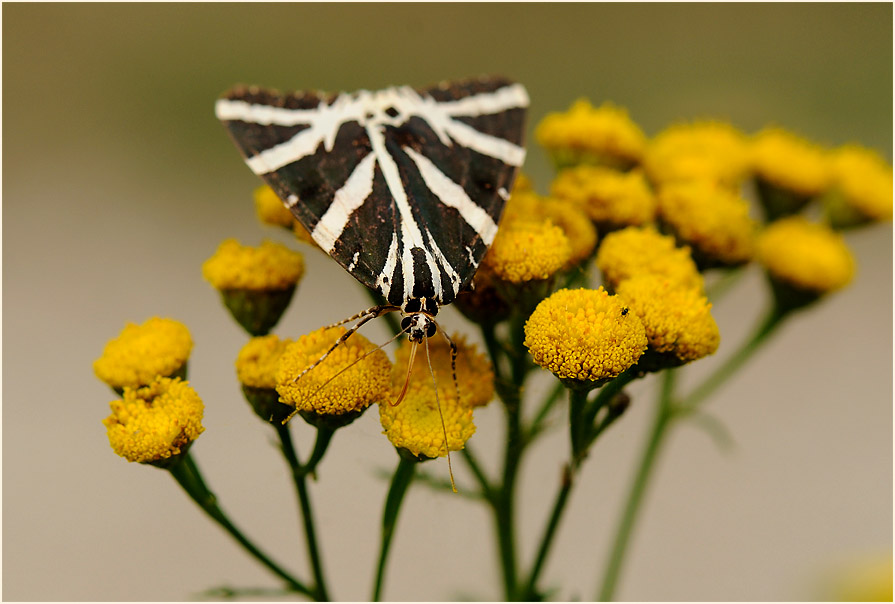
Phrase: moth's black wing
[409,213]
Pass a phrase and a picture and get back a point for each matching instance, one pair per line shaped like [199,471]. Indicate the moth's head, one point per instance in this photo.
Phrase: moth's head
[419,319]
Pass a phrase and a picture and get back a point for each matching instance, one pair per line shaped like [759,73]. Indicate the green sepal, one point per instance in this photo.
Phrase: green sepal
[258,311]
[331,422]
[265,402]
[778,202]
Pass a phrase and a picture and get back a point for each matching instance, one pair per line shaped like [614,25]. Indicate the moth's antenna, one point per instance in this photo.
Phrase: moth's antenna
[453,361]
[364,316]
[344,369]
[441,415]
[413,347]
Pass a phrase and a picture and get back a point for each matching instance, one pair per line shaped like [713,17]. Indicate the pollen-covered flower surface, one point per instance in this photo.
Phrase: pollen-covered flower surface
[703,150]
[865,181]
[611,198]
[270,208]
[584,133]
[415,424]
[155,422]
[713,220]
[584,335]
[257,362]
[357,385]
[805,255]
[158,347]
[526,250]
[790,162]
[270,266]
[575,224]
[677,319]
[637,251]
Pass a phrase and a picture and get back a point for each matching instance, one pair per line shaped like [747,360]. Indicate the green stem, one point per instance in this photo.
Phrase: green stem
[400,482]
[559,505]
[578,431]
[476,467]
[664,414]
[187,474]
[299,474]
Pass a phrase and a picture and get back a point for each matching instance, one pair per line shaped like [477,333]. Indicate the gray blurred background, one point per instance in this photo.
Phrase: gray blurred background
[118,183]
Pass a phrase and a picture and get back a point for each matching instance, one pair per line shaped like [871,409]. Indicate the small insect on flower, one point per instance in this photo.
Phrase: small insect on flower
[402,187]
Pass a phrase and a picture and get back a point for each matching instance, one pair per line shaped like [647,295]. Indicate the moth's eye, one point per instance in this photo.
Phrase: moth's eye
[406,322]
[430,329]
[391,112]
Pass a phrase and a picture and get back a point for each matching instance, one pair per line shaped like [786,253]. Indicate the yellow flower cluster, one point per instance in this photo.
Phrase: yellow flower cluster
[270,208]
[805,255]
[578,229]
[639,251]
[790,162]
[610,198]
[604,135]
[158,347]
[271,266]
[526,250]
[708,150]
[865,181]
[677,319]
[155,422]
[257,361]
[353,376]
[415,424]
[584,335]
[712,219]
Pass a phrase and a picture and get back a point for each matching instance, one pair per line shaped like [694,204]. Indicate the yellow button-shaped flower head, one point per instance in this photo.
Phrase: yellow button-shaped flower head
[585,134]
[678,320]
[584,336]
[256,368]
[705,150]
[790,162]
[863,187]
[414,424]
[711,219]
[256,283]
[158,347]
[527,250]
[271,209]
[806,257]
[343,385]
[610,198]
[155,423]
[639,251]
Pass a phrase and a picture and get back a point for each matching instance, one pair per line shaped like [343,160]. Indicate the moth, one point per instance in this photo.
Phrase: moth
[403,187]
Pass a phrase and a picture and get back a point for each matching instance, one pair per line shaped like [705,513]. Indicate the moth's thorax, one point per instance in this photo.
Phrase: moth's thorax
[419,318]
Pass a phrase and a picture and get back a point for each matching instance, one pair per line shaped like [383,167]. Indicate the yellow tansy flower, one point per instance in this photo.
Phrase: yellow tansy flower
[475,378]
[153,423]
[585,134]
[257,362]
[865,579]
[677,319]
[575,224]
[584,335]
[158,347]
[270,208]
[790,163]
[341,384]
[864,181]
[525,250]
[271,266]
[610,198]
[704,150]
[805,255]
[523,183]
[712,219]
[415,424]
[637,251]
